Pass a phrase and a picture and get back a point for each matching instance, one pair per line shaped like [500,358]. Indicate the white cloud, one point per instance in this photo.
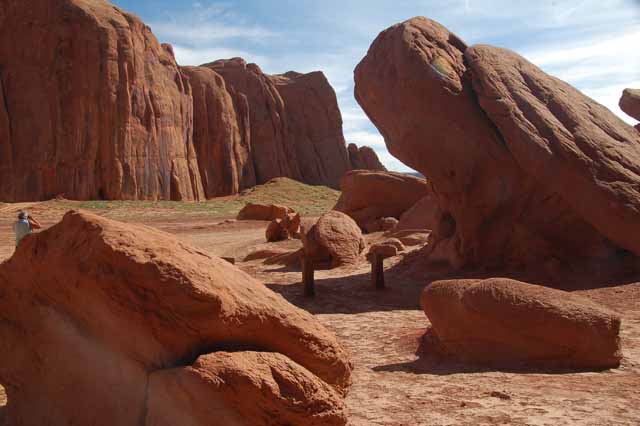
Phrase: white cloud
[188,56]
[209,32]
[601,66]
[597,48]
[363,137]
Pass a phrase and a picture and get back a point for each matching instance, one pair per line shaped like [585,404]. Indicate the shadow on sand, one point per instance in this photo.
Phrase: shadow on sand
[352,294]
[433,361]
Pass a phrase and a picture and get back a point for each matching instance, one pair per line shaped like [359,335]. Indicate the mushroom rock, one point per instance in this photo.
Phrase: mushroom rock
[630,102]
[224,155]
[371,195]
[502,322]
[335,237]
[387,248]
[274,151]
[315,125]
[96,107]
[133,309]
[364,158]
[500,204]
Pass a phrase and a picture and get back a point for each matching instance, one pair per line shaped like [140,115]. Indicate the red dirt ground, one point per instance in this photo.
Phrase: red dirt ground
[393,386]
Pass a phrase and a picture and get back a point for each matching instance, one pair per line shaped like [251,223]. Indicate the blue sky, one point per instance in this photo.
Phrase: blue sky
[592,44]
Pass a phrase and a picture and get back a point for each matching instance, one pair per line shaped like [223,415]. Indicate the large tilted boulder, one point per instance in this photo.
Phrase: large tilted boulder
[364,158]
[371,195]
[93,106]
[222,144]
[523,166]
[101,322]
[335,238]
[630,102]
[503,323]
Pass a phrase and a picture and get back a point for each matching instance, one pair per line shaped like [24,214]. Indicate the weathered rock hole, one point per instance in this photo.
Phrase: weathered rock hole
[209,349]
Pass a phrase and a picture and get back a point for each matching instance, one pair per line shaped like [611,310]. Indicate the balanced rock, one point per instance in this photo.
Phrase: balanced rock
[364,158]
[92,106]
[266,212]
[370,195]
[387,248]
[630,102]
[336,238]
[92,301]
[532,168]
[502,322]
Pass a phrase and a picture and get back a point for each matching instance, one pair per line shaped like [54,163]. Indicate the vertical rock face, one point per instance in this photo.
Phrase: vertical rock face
[364,158]
[315,125]
[95,107]
[224,155]
[274,151]
[524,167]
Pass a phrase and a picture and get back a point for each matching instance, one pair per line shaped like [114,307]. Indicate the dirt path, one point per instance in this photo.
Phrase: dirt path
[392,386]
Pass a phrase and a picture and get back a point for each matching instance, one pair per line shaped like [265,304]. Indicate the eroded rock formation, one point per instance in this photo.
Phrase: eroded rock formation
[222,145]
[524,167]
[505,323]
[93,107]
[90,306]
[274,151]
[315,125]
[364,158]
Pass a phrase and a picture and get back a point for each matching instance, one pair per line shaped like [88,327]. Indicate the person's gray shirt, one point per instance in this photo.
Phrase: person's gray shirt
[22,228]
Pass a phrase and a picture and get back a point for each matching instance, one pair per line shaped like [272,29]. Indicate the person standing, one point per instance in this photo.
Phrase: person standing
[24,226]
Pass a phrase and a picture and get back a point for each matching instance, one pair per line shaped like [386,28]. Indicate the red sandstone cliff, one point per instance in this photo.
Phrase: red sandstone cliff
[93,107]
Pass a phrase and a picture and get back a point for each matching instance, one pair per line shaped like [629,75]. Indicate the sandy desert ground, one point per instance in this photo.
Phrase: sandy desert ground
[392,384]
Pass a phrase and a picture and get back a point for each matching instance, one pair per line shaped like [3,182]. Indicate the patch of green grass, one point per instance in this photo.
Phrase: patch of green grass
[307,199]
